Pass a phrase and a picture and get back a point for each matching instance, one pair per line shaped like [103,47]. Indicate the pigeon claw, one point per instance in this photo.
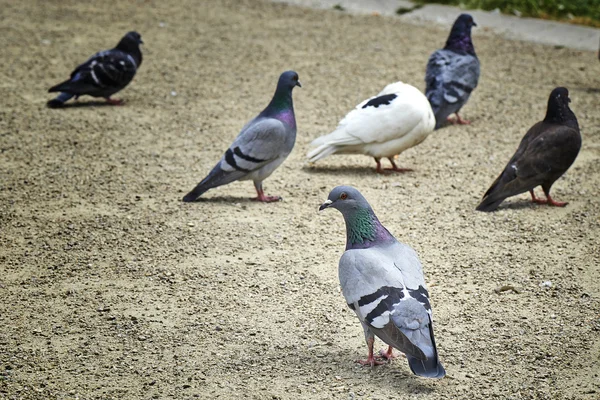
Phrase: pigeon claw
[371,361]
[115,102]
[549,200]
[389,354]
[459,121]
[267,199]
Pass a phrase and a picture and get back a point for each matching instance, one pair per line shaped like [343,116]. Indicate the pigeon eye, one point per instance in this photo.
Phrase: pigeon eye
[343,196]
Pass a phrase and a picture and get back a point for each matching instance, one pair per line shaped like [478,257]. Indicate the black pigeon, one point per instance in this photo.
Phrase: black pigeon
[545,153]
[104,74]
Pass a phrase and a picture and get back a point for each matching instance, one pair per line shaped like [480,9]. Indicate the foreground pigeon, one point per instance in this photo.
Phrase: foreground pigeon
[104,74]
[262,145]
[382,281]
[452,73]
[545,153]
[398,118]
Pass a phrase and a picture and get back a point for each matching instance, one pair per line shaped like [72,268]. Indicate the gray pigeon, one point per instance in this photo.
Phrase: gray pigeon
[262,145]
[545,153]
[104,74]
[452,73]
[382,282]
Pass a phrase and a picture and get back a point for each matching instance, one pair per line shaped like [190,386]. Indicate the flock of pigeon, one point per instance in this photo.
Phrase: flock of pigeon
[381,279]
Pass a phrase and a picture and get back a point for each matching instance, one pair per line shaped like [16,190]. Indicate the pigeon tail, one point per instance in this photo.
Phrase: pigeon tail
[498,191]
[59,100]
[430,368]
[322,151]
[489,204]
[195,193]
[65,86]
[216,177]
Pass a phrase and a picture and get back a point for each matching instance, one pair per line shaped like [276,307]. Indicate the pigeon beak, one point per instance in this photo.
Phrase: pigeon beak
[298,84]
[474,24]
[325,205]
[141,41]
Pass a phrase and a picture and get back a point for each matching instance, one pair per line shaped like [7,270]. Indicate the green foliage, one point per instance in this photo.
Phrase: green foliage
[579,11]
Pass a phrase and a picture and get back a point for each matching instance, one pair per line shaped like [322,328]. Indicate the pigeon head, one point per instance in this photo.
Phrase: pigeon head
[281,105]
[130,42]
[459,39]
[346,199]
[288,80]
[363,229]
[558,110]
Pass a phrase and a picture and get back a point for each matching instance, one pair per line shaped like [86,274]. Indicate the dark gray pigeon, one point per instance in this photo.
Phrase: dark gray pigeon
[545,153]
[452,73]
[382,282]
[104,74]
[262,145]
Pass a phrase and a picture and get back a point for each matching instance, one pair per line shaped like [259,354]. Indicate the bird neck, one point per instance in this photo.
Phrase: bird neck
[281,107]
[363,229]
[561,114]
[133,49]
[460,41]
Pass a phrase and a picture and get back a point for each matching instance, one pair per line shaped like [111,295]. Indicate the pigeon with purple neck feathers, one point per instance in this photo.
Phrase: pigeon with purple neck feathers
[382,282]
[452,73]
[104,74]
[262,145]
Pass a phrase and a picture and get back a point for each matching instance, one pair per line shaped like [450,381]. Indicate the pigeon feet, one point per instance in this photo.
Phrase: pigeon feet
[371,361]
[459,121]
[267,199]
[394,168]
[115,102]
[399,169]
[549,200]
[389,354]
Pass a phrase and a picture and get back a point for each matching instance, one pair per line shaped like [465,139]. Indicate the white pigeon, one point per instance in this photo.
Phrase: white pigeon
[398,118]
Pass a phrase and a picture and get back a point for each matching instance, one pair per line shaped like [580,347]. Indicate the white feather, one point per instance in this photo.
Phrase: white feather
[383,131]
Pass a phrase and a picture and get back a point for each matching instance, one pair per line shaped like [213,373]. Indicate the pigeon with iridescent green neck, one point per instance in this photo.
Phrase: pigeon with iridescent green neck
[262,145]
[382,282]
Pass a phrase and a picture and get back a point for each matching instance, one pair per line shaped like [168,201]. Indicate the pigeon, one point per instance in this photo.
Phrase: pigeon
[382,282]
[452,73]
[398,118]
[545,153]
[261,146]
[104,74]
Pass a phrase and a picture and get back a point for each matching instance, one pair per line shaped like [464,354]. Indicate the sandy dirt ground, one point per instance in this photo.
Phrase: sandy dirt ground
[112,288]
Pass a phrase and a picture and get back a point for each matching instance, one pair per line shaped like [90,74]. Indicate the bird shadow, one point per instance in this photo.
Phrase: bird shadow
[226,199]
[81,104]
[340,170]
[350,370]
[517,205]
[588,89]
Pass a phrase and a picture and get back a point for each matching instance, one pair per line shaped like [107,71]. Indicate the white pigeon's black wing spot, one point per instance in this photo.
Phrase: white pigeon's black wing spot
[381,100]
[422,296]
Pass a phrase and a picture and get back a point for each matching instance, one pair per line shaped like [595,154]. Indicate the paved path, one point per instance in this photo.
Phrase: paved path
[512,27]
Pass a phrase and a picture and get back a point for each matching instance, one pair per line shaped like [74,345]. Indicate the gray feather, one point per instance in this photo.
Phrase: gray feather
[450,79]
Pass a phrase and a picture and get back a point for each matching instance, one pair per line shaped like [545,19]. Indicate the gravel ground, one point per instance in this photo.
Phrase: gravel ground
[112,288]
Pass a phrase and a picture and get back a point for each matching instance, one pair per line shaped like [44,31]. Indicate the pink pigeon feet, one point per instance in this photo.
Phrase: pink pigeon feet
[265,199]
[394,168]
[371,360]
[389,354]
[459,121]
[115,102]
[549,200]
